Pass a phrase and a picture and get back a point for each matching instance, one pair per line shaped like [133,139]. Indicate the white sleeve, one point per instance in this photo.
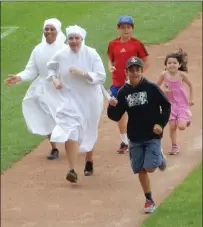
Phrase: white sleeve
[31,70]
[53,68]
[98,74]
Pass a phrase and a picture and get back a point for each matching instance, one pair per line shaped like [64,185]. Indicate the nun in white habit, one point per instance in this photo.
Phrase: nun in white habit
[78,71]
[41,100]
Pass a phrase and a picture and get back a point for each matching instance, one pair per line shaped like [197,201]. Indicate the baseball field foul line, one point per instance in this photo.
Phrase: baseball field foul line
[9,30]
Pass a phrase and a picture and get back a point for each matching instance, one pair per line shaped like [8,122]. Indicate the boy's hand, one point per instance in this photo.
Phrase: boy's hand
[112,69]
[157,129]
[113,101]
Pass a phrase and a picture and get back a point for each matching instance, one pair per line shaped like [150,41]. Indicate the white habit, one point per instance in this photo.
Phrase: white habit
[41,100]
[79,114]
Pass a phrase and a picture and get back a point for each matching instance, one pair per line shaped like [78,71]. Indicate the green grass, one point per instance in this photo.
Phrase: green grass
[3,30]
[154,23]
[183,208]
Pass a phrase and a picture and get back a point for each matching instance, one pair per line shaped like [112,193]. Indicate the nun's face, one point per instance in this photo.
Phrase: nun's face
[50,33]
[74,42]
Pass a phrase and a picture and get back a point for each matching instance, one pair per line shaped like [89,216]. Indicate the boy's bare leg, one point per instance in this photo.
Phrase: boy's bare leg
[145,183]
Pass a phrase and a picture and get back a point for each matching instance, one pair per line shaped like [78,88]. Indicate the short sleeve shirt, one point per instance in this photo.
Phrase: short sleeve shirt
[119,53]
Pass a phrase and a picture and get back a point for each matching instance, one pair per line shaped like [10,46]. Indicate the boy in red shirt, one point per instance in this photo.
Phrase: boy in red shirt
[119,51]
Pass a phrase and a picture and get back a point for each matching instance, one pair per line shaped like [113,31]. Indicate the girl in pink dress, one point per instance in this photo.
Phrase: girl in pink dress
[173,79]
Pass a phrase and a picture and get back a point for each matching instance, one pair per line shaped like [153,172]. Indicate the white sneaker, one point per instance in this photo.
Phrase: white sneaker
[163,165]
[149,207]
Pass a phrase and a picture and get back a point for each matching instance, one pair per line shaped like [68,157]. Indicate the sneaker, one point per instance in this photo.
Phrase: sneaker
[123,148]
[163,165]
[54,154]
[72,176]
[149,207]
[190,115]
[174,150]
[188,124]
[88,171]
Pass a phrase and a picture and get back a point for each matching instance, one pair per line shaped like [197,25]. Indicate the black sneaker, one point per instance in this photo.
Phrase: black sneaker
[54,154]
[72,176]
[88,171]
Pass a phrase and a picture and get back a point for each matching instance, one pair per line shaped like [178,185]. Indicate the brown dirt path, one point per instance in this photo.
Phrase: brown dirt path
[36,194]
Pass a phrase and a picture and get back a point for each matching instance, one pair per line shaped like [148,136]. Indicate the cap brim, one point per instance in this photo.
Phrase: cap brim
[125,23]
[134,64]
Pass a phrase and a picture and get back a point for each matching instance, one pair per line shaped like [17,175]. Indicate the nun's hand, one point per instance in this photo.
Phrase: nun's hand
[12,79]
[76,71]
[57,83]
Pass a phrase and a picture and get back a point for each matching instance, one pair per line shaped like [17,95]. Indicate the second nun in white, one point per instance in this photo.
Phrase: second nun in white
[77,72]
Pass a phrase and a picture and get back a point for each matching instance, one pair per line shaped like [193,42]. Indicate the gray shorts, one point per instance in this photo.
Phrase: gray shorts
[145,155]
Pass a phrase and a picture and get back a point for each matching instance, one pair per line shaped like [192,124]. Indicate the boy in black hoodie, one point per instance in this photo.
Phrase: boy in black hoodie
[148,113]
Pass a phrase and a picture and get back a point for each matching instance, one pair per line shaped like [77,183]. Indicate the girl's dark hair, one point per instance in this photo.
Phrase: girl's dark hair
[182,58]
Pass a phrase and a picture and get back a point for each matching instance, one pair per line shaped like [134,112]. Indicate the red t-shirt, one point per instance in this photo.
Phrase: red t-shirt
[119,53]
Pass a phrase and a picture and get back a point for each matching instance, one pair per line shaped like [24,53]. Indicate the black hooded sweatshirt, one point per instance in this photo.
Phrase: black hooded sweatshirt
[146,106]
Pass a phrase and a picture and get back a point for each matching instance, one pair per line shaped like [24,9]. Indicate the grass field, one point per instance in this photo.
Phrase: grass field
[184,207]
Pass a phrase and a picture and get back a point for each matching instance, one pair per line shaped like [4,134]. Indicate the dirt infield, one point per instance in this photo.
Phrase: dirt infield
[36,194]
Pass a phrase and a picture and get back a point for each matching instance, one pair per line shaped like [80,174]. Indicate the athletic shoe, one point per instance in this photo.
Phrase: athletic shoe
[149,207]
[188,124]
[72,176]
[88,171]
[123,148]
[174,150]
[163,165]
[54,154]
[190,115]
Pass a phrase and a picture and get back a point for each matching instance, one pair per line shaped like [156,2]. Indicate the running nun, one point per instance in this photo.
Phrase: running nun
[41,100]
[78,72]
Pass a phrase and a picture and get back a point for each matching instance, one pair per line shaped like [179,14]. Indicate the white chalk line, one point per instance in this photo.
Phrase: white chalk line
[8,31]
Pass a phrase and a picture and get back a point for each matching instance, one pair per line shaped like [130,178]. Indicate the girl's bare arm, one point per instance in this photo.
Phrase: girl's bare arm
[160,80]
[190,85]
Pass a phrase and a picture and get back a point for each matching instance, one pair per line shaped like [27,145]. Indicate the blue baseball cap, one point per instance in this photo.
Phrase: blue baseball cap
[125,20]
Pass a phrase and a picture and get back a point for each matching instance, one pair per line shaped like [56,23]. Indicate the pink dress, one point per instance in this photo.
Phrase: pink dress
[179,100]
